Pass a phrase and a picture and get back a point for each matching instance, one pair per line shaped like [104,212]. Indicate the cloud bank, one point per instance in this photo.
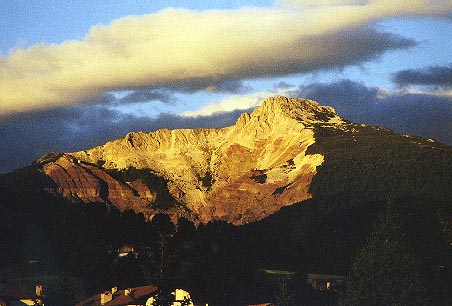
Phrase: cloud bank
[437,75]
[200,50]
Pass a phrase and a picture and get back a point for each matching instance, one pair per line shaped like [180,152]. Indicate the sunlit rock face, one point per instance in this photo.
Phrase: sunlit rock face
[238,174]
[89,183]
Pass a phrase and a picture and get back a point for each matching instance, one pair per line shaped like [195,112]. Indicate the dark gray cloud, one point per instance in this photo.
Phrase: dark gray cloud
[104,98]
[135,96]
[165,93]
[407,113]
[332,51]
[192,85]
[437,75]
[281,85]
[351,100]
[27,136]
[144,95]
[230,86]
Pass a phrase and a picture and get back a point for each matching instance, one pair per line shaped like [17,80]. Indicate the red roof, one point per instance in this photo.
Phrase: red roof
[120,298]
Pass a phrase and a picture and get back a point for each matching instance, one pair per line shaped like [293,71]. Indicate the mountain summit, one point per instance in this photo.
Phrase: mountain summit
[239,173]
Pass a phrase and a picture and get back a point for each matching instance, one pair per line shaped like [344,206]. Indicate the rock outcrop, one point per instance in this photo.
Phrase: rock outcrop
[238,174]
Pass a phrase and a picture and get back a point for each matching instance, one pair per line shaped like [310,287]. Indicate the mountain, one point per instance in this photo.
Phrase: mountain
[284,152]
[238,174]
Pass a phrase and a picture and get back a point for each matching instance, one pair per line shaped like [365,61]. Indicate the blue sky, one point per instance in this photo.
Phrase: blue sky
[74,74]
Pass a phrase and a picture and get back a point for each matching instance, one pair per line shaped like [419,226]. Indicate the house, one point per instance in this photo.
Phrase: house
[280,274]
[316,281]
[135,250]
[325,281]
[138,296]
[130,296]
[22,302]
[180,297]
[22,296]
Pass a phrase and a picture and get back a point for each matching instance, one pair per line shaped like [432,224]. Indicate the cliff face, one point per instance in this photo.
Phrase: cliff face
[238,174]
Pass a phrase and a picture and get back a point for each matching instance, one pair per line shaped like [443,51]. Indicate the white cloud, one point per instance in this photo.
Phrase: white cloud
[439,92]
[177,48]
[239,102]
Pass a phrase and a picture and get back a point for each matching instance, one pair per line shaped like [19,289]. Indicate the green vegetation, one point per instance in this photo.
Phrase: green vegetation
[260,176]
[207,180]
[387,271]
[28,179]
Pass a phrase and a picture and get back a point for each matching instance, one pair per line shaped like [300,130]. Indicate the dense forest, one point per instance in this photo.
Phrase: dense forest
[73,247]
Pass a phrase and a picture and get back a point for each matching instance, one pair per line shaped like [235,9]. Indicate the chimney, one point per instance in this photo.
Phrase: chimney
[39,290]
[180,295]
[105,297]
[113,290]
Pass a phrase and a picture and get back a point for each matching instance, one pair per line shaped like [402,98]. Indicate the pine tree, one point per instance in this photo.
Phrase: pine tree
[387,272]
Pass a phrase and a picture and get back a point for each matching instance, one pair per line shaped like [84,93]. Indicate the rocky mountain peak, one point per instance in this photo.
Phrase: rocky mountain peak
[302,110]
